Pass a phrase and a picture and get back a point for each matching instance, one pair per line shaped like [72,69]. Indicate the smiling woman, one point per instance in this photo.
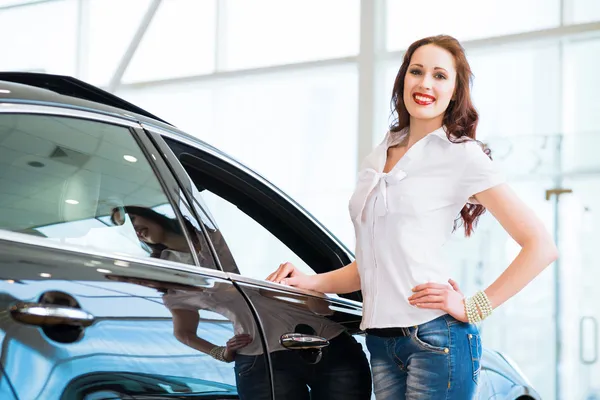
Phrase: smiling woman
[429,174]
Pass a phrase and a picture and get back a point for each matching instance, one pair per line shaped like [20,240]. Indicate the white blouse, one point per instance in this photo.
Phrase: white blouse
[403,218]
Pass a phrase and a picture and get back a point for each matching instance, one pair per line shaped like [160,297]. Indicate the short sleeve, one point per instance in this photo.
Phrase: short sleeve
[480,174]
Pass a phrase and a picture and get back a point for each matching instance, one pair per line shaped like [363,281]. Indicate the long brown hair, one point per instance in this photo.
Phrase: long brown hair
[460,118]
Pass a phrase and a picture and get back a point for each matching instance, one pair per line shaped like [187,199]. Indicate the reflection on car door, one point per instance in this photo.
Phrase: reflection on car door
[313,341]
[113,329]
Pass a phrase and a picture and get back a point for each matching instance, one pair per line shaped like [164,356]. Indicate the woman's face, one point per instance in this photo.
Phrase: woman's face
[147,230]
[429,82]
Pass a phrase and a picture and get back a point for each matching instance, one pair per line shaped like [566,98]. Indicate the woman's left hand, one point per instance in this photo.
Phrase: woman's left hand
[440,297]
[234,344]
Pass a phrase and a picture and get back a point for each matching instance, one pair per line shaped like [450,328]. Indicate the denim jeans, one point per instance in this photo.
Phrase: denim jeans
[342,374]
[440,360]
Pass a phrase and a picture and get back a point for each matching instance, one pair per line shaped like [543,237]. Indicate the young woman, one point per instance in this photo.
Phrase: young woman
[421,331]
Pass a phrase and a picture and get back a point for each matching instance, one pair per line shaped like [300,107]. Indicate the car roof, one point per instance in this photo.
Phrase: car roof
[69,92]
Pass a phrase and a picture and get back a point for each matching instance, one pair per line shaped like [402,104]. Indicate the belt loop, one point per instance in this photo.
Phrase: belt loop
[406,331]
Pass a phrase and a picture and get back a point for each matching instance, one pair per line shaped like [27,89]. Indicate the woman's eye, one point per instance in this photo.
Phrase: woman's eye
[440,76]
[415,72]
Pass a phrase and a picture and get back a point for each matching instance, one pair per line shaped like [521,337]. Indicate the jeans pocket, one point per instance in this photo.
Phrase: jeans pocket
[244,364]
[432,338]
[475,349]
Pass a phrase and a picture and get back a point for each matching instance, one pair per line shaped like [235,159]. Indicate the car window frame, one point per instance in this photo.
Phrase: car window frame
[326,243]
[166,180]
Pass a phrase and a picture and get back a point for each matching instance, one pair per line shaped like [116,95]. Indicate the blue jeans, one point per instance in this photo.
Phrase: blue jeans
[440,360]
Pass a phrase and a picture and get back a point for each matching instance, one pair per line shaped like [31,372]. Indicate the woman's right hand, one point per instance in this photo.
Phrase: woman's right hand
[288,274]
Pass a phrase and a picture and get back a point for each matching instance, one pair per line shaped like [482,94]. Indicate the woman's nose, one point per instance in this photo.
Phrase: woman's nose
[426,81]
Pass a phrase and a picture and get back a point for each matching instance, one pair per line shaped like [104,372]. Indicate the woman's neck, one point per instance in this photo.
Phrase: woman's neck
[419,128]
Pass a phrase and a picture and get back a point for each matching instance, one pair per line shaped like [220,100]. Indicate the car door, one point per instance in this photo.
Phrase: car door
[97,302]
[314,343]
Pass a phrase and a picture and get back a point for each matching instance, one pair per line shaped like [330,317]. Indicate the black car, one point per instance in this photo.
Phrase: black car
[129,250]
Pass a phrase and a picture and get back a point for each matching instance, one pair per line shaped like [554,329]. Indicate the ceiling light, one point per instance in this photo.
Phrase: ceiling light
[71,201]
[104,271]
[45,275]
[4,91]
[10,281]
[129,158]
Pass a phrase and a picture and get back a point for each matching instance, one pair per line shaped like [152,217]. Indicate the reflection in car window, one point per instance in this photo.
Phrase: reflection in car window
[66,180]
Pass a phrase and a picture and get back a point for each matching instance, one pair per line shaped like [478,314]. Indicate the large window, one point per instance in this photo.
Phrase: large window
[408,21]
[269,32]
[180,42]
[107,35]
[584,11]
[34,40]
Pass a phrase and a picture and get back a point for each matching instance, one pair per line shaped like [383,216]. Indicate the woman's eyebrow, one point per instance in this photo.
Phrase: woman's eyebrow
[421,65]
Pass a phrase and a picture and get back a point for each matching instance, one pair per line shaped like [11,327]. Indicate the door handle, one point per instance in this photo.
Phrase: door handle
[50,315]
[300,341]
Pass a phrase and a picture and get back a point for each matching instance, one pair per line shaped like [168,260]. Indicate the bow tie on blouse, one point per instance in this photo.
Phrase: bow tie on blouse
[379,181]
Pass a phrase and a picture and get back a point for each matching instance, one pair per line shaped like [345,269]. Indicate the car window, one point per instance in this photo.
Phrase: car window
[247,236]
[255,251]
[85,183]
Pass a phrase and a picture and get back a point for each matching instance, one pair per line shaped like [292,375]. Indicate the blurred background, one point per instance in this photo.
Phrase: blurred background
[299,91]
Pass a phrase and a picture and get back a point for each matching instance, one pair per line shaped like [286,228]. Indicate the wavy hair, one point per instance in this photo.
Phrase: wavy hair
[460,118]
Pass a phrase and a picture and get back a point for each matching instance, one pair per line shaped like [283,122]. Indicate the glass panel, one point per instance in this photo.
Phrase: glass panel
[84,183]
[584,11]
[8,3]
[111,25]
[287,32]
[408,21]
[34,40]
[273,137]
[530,104]
[580,317]
[581,106]
[180,41]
